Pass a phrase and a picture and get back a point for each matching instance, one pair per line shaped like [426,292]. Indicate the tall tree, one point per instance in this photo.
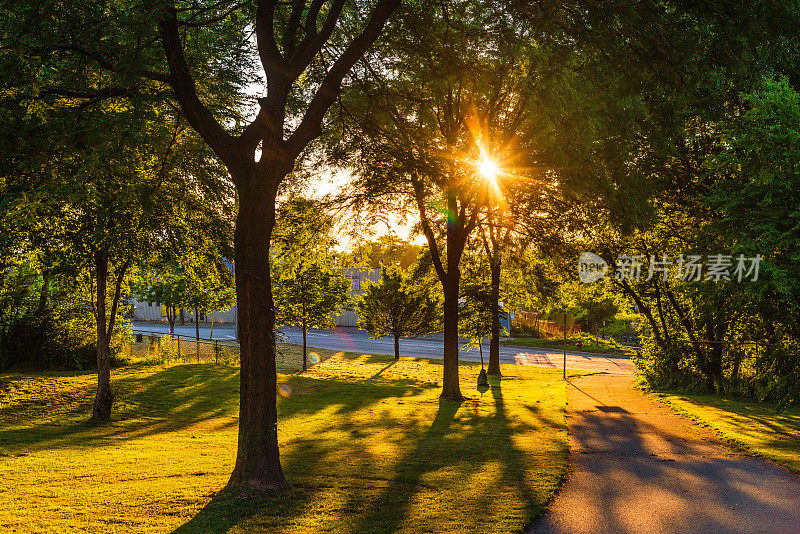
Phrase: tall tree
[304,60]
[202,57]
[114,175]
[431,137]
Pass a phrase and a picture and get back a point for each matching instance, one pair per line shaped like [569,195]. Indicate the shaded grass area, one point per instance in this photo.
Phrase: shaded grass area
[365,441]
[752,426]
[589,344]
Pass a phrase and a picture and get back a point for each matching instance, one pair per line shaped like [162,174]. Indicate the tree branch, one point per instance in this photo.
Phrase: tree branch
[181,81]
[94,95]
[292,27]
[271,58]
[313,41]
[426,229]
[117,291]
[331,87]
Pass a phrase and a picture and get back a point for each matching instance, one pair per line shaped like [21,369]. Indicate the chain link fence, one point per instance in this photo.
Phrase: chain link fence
[166,348]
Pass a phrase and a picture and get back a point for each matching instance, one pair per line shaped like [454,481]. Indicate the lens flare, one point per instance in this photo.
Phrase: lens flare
[285,390]
[489,168]
[313,358]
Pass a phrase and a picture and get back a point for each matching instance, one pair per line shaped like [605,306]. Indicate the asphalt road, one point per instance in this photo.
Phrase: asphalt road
[354,340]
[637,467]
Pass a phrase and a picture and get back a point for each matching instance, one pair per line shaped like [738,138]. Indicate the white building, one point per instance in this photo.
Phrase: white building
[358,277]
[156,311]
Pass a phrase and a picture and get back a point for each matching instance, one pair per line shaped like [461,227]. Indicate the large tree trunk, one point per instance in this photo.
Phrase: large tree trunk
[101,411]
[494,342]
[257,460]
[450,385]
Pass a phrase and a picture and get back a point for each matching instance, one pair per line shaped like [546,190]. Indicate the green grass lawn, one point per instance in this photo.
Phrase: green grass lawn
[751,426]
[365,441]
[590,344]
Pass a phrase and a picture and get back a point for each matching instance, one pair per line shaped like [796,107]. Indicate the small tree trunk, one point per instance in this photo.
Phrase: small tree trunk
[450,384]
[197,332]
[45,293]
[183,318]
[257,458]
[494,342]
[305,358]
[707,365]
[396,347]
[103,399]
[737,362]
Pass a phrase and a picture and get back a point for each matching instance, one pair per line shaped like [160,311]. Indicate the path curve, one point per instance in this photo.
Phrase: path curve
[637,467]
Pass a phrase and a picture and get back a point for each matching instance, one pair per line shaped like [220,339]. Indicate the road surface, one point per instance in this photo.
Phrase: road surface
[637,467]
[354,340]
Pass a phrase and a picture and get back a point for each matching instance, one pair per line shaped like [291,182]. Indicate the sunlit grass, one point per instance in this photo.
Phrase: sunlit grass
[365,441]
[752,426]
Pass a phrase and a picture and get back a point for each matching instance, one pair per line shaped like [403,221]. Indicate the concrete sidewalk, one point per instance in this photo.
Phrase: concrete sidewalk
[638,467]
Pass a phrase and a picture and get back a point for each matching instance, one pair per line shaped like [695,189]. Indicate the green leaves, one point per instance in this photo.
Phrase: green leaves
[307,289]
[399,305]
[310,295]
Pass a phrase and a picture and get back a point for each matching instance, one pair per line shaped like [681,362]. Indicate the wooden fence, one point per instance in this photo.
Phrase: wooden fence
[541,328]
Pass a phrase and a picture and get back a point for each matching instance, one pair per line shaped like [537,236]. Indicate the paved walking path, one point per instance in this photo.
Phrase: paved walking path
[638,467]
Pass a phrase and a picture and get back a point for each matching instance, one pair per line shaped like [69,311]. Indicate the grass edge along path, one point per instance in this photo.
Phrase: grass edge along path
[752,427]
[589,345]
[365,441]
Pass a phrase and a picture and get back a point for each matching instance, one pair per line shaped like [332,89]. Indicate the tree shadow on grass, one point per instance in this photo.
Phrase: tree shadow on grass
[514,467]
[463,447]
[168,400]
[390,509]
[172,399]
[345,481]
[312,463]
[312,395]
[379,373]
[229,508]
